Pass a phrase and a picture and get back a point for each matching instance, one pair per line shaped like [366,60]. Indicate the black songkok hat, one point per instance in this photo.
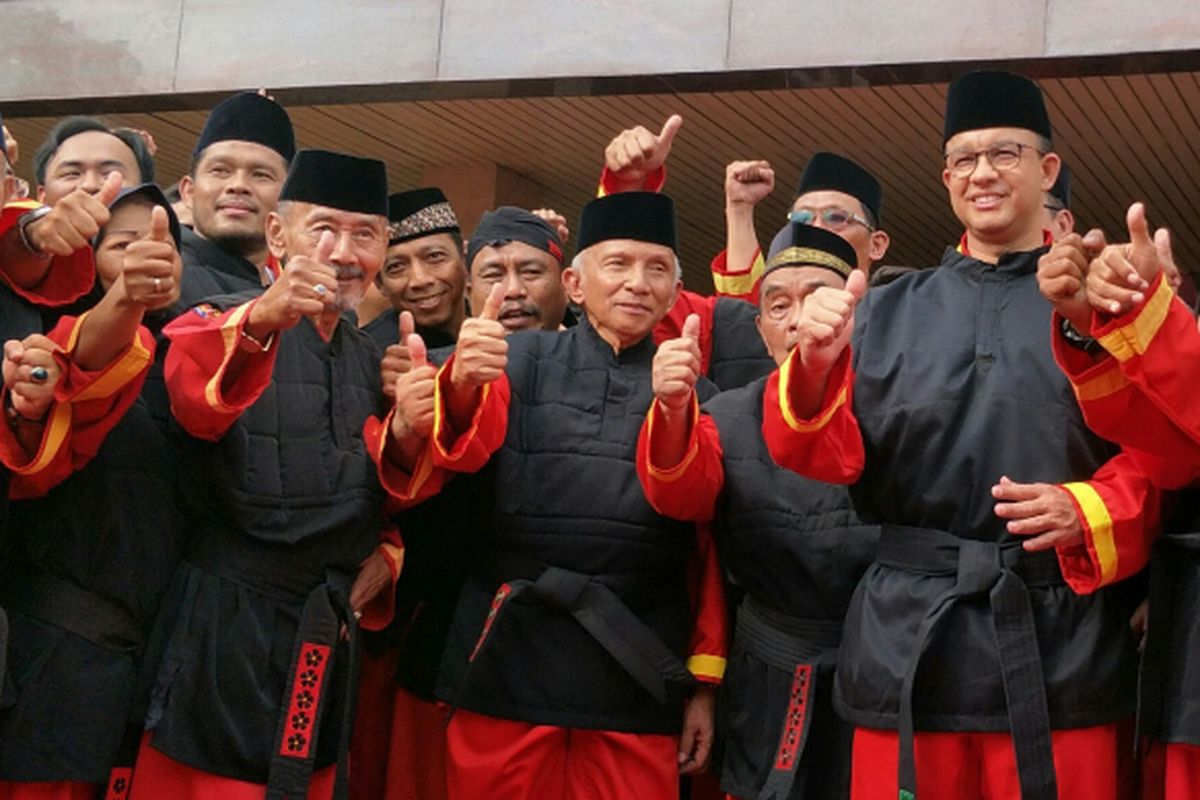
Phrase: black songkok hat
[511,224]
[154,194]
[799,245]
[249,117]
[336,180]
[992,99]
[1061,190]
[641,216]
[831,172]
[420,212]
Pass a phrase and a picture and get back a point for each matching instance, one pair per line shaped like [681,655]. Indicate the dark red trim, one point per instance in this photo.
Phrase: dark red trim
[793,731]
[497,601]
[306,694]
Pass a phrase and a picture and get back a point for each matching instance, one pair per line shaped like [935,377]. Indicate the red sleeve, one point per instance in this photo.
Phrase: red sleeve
[470,450]
[1157,346]
[86,406]
[671,326]
[403,489]
[203,343]
[827,447]
[653,182]
[1120,509]
[741,283]
[710,628]
[688,490]
[378,614]
[68,277]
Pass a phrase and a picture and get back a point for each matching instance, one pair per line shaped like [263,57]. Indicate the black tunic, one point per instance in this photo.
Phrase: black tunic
[209,270]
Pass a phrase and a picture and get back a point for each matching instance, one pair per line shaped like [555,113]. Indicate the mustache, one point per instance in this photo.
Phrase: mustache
[350,273]
[511,309]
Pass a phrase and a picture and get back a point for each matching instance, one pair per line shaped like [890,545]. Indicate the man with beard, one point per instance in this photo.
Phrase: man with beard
[238,167]
[282,505]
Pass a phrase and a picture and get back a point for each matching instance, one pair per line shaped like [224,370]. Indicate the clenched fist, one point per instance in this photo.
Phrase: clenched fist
[748,182]
[30,375]
[1062,279]
[482,351]
[677,367]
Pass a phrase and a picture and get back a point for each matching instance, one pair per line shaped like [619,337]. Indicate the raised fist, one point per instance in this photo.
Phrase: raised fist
[748,182]
[30,375]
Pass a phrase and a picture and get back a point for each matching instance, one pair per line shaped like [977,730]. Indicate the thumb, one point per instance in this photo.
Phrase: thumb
[691,327]
[407,326]
[110,189]
[325,247]
[856,284]
[669,129]
[416,350]
[491,306]
[160,229]
[1162,245]
[1139,230]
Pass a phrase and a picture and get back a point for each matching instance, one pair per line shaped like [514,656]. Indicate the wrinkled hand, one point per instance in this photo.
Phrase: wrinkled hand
[74,220]
[748,182]
[482,350]
[556,220]
[696,740]
[1119,276]
[1041,510]
[151,268]
[677,367]
[396,360]
[306,287]
[374,577]
[635,152]
[1062,279]
[414,389]
[826,322]
[31,398]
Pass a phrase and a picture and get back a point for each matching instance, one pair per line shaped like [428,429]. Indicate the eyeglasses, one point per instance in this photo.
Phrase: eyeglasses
[834,217]
[1003,156]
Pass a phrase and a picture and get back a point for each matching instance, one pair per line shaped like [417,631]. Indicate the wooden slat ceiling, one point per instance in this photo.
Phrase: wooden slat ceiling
[1125,137]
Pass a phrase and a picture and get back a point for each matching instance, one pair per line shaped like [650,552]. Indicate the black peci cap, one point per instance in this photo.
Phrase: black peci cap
[249,117]
[420,212]
[831,172]
[800,245]
[337,180]
[640,216]
[995,99]
[511,224]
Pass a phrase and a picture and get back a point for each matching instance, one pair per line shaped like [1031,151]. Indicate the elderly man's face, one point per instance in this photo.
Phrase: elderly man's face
[84,162]
[781,298]
[626,287]
[359,243]
[532,283]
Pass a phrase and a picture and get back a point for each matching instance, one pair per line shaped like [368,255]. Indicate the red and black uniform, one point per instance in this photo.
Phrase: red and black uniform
[797,549]
[955,628]
[256,679]
[574,624]
[1139,393]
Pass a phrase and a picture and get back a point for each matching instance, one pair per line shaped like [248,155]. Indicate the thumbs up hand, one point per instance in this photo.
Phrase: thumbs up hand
[152,266]
[306,287]
[396,358]
[677,367]
[637,151]
[414,391]
[1120,274]
[482,352]
[826,322]
[74,220]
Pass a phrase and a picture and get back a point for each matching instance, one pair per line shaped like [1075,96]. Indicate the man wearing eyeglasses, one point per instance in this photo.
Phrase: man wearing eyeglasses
[987,651]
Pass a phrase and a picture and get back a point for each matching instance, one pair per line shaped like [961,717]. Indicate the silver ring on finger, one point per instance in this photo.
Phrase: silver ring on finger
[320,289]
[157,285]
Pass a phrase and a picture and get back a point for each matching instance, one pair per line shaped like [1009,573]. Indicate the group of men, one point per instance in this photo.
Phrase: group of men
[322,496]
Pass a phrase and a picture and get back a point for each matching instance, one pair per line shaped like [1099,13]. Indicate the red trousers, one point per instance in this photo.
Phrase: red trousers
[499,758]
[157,777]
[983,766]
[1171,772]
[416,764]
[369,742]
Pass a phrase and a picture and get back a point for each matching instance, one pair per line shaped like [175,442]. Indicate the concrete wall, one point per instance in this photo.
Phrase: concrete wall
[65,49]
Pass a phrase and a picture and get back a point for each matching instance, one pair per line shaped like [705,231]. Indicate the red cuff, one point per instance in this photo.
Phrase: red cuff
[652,182]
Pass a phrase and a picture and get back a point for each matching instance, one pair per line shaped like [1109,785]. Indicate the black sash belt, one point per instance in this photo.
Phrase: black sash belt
[1002,573]
[277,571]
[65,604]
[622,634]
[1172,552]
[795,645]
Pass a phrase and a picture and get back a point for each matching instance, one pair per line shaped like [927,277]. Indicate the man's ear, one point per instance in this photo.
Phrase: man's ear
[879,245]
[573,285]
[275,235]
[1051,166]
[187,190]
